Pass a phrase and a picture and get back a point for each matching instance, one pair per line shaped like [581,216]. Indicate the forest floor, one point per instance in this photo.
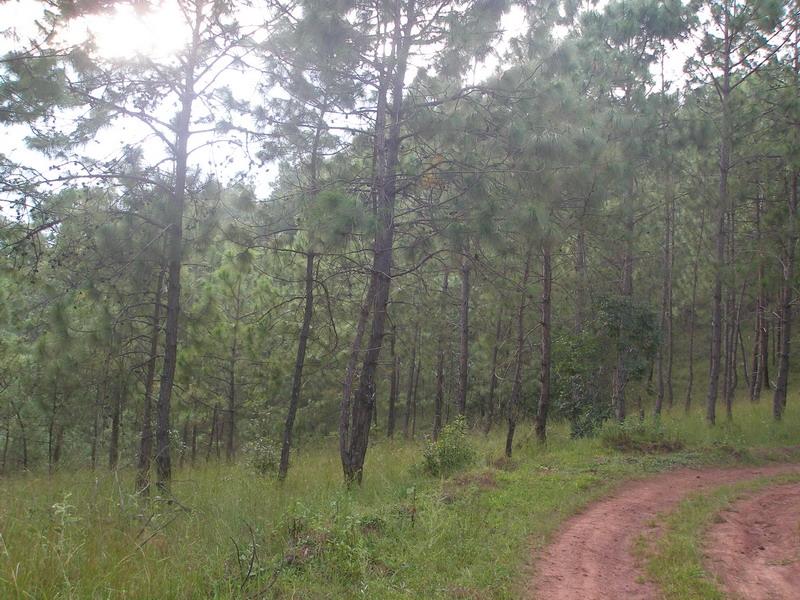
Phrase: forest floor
[651,496]
[752,549]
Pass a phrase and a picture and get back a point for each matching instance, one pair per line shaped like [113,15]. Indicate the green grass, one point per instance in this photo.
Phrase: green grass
[675,562]
[401,535]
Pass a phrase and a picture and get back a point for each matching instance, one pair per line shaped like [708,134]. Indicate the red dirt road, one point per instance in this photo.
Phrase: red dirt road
[755,550]
[592,557]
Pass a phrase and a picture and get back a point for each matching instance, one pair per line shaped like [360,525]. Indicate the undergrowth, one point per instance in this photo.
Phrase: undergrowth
[230,533]
[640,436]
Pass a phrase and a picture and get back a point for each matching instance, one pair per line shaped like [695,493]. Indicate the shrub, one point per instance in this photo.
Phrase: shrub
[639,436]
[451,452]
[263,456]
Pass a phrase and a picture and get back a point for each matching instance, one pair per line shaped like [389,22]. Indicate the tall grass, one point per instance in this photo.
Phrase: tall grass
[229,533]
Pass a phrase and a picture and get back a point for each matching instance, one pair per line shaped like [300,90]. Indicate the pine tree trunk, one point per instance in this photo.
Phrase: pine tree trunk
[729,380]
[722,208]
[580,273]
[544,375]
[744,353]
[212,433]
[230,413]
[95,439]
[102,384]
[345,407]
[297,377]
[669,342]
[438,401]
[490,402]
[58,445]
[174,255]
[113,444]
[184,441]
[385,187]
[793,182]
[6,440]
[410,388]
[414,401]
[782,382]
[693,313]
[394,384]
[761,342]
[516,389]
[194,443]
[619,377]
[665,351]
[51,429]
[146,440]
[356,414]
[463,356]
[23,436]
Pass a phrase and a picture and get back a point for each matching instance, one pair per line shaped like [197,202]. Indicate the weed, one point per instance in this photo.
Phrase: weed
[451,452]
[640,436]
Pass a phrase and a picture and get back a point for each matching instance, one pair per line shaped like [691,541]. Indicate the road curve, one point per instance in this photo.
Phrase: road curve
[754,547]
[591,558]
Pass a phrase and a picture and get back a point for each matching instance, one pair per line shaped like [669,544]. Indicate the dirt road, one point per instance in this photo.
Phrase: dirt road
[592,557]
[754,549]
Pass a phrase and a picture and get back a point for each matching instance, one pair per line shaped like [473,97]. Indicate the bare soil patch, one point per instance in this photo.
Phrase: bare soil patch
[592,557]
[754,547]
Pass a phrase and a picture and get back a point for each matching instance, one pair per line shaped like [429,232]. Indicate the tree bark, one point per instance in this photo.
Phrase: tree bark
[414,401]
[729,371]
[212,433]
[490,402]
[463,356]
[665,351]
[23,435]
[6,441]
[580,273]
[761,342]
[299,362]
[693,315]
[386,188]
[782,382]
[394,385]
[146,440]
[58,445]
[722,208]
[516,389]
[410,388]
[184,441]
[230,413]
[116,410]
[438,401]
[792,182]
[174,255]
[51,429]
[194,443]
[619,378]
[544,375]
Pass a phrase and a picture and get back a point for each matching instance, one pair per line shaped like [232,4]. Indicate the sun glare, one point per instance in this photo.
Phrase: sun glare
[126,32]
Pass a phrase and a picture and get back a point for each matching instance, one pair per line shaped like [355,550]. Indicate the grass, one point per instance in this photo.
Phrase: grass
[403,534]
[675,562]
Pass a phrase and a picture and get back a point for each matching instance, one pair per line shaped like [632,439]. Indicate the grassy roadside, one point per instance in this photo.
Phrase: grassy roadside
[402,535]
[675,560]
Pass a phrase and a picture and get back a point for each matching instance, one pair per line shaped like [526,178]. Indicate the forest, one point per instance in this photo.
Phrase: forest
[279,279]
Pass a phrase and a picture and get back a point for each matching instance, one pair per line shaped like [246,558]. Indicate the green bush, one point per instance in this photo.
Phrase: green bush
[640,436]
[263,456]
[580,382]
[451,452]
